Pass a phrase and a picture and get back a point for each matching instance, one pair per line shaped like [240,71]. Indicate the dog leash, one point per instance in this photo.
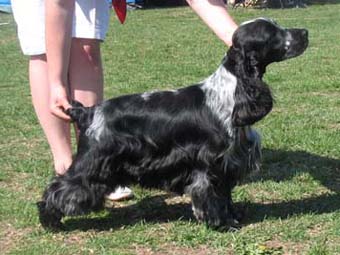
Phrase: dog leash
[120,8]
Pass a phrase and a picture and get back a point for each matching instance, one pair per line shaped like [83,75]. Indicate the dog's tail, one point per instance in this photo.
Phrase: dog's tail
[80,114]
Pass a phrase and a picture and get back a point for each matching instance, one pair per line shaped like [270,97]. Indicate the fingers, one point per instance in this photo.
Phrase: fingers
[58,109]
[59,102]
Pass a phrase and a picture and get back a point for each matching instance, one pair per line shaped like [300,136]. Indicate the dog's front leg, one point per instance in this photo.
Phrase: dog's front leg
[210,203]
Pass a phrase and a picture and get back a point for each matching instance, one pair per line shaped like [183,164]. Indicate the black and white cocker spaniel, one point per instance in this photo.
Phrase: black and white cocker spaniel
[195,140]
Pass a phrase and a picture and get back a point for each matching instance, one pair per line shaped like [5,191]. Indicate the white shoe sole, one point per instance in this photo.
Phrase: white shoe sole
[120,193]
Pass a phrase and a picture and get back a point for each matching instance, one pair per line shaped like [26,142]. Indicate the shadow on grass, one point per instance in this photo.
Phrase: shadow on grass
[257,212]
[151,210]
[278,166]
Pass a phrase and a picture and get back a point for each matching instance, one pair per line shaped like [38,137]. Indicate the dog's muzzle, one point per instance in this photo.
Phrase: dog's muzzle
[297,42]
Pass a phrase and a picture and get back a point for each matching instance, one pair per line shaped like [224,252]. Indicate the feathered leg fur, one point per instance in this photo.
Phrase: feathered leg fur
[69,195]
[210,203]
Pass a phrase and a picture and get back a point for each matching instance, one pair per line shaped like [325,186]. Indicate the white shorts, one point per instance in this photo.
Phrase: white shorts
[90,20]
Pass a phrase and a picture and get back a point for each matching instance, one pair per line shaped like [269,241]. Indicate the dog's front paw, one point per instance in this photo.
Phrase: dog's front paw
[220,222]
[226,223]
[238,212]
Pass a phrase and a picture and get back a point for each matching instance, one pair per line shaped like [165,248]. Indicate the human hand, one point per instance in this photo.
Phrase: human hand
[59,102]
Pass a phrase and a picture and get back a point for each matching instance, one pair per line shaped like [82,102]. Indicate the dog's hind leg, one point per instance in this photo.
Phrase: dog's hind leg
[71,194]
[208,205]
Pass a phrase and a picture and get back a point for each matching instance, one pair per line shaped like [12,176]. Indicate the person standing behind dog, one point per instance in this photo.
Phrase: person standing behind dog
[68,33]
[74,30]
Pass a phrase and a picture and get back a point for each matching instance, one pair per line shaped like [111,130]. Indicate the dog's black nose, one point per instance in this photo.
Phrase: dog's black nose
[305,32]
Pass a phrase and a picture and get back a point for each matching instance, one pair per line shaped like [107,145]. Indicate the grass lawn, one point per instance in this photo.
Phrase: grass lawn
[293,204]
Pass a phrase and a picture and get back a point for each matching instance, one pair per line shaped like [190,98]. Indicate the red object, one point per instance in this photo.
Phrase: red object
[120,9]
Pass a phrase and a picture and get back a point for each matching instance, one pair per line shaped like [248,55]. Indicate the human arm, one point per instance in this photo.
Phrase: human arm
[215,15]
[59,15]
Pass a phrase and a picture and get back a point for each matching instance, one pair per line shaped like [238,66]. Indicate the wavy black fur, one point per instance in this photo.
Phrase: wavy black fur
[195,140]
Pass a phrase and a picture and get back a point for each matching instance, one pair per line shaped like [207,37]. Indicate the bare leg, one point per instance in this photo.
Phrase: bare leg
[56,130]
[86,77]
[86,72]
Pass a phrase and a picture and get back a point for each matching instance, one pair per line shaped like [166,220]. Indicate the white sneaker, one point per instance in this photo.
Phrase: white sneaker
[120,193]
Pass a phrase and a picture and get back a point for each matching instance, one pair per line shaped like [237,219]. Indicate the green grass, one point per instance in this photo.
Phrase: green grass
[292,205]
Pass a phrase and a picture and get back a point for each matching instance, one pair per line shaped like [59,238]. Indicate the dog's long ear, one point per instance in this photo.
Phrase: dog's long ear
[245,57]
[234,60]
[253,101]
[248,63]
[253,68]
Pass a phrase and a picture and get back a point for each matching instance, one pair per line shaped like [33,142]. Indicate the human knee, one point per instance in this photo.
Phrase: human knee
[90,49]
[40,57]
